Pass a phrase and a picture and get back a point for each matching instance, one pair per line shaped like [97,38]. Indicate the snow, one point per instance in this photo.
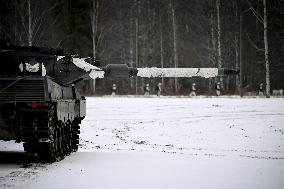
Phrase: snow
[95,71]
[33,68]
[80,62]
[30,67]
[177,72]
[94,74]
[164,143]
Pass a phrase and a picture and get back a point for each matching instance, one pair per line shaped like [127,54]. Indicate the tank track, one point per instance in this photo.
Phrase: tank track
[50,140]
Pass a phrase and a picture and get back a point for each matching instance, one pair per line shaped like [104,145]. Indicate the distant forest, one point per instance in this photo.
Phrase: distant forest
[157,33]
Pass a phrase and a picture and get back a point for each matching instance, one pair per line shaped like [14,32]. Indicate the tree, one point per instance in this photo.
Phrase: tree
[174,26]
[34,19]
[161,42]
[219,37]
[94,26]
[267,74]
[138,8]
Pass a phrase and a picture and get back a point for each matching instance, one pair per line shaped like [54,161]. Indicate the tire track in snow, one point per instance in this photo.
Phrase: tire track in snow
[22,176]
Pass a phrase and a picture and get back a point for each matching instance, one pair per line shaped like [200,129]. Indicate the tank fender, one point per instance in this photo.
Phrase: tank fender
[54,90]
[65,110]
[82,108]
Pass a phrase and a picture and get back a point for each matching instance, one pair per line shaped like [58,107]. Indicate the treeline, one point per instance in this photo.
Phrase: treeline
[158,33]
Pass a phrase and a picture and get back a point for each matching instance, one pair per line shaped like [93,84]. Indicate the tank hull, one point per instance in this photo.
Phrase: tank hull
[41,113]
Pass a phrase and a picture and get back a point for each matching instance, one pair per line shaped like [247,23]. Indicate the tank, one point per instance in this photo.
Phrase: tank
[39,104]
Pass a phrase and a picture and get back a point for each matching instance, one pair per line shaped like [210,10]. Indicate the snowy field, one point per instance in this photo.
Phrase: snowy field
[164,143]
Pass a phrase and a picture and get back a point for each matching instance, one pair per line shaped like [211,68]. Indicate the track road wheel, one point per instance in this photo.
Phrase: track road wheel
[75,135]
[47,146]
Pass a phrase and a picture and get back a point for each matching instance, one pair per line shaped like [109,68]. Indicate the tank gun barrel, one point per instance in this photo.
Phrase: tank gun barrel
[122,70]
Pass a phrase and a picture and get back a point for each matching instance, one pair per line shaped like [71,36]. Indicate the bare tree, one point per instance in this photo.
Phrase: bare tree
[94,26]
[33,16]
[98,31]
[30,31]
[263,20]
[213,39]
[174,26]
[267,75]
[161,42]
[236,45]
[219,37]
[137,3]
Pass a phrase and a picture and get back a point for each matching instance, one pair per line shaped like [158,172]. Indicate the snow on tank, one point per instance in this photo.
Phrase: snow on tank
[177,72]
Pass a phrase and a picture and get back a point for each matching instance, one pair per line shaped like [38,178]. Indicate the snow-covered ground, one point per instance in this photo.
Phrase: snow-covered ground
[164,143]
